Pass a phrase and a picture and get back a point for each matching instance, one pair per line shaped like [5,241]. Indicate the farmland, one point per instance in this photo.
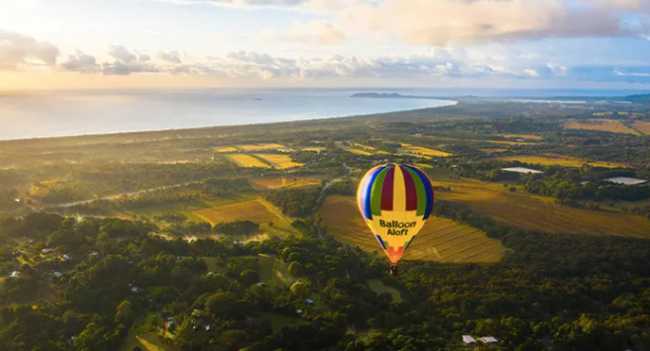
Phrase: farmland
[284,182]
[539,213]
[560,160]
[440,240]
[249,147]
[247,161]
[258,210]
[422,151]
[601,125]
[642,126]
[362,149]
[279,161]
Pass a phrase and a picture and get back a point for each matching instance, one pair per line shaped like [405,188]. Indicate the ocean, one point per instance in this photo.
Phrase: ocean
[50,114]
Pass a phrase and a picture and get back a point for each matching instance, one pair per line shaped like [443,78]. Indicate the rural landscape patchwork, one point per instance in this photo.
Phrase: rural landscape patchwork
[250,238]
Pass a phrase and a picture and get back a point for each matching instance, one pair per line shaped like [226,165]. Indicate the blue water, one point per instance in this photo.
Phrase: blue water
[29,115]
[43,114]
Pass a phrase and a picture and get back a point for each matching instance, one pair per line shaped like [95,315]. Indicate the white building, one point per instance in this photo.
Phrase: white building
[522,170]
[468,339]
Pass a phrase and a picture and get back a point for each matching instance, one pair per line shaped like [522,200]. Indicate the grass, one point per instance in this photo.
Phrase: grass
[284,182]
[247,161]
[317,149]
[560,160]
[422,151]
[440,240]
[539,213]
[529,137]
[379,287]
[150,341]
[279,161]
[258,210]
[493,150]
[601,125]
[363,150]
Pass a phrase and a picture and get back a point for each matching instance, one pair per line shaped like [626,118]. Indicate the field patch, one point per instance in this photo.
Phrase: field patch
[249,147]
[363,150]
[440,240]
[539,213]
[526,137]
[270,183]
[642,126]
[316,149]
[279,161]
[560,160]
[247,161]
[422,151]
[601,125]
[258,210]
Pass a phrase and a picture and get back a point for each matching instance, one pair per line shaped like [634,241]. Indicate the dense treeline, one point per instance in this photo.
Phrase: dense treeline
[556,292]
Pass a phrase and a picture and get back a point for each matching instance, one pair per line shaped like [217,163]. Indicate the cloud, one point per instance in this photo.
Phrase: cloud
[127,62]
[81,62]
[170,56]
[17,50]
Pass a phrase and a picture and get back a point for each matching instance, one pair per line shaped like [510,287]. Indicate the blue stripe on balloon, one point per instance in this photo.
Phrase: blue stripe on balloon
[380,241]
[367,192]
[427,189]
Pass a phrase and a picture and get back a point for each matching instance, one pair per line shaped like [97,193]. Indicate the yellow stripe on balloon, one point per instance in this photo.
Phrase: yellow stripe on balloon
[399,195]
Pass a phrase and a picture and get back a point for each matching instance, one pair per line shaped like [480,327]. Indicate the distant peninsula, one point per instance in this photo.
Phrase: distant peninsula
[390,96]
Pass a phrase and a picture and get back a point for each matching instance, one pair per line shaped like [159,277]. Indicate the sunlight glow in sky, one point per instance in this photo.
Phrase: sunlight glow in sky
[419,43]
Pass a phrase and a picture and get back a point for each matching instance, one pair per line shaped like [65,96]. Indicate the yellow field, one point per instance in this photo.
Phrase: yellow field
[441,239]
[364,150]
[510,142]
[560,160]
[317,149]
[601,125]
[539,213]
[423,151]
[284,182]
[642,126]
[247,161]
[225,149]
[280,161]
[530,137]
[258,210]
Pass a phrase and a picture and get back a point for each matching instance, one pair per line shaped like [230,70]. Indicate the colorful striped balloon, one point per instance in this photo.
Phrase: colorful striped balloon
[395,200]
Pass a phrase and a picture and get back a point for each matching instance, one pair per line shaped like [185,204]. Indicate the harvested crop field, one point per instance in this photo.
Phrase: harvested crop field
[440,240]
[258,210]
[539,213]
[422,151]
[279,161]
[560,160]
[642,126]
[248,147]
[601,125]
[247,161]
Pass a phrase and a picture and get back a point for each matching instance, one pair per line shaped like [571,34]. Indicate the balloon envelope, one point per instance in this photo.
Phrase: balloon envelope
[395,200]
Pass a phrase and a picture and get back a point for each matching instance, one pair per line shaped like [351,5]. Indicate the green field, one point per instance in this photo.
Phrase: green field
[441,239]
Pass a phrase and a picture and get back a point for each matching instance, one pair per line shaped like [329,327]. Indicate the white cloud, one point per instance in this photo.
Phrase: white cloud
[17,50]
[81,62]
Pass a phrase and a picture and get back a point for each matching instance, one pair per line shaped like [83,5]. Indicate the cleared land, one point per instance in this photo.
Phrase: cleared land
[247,161]
[642,126]
[601,125]
[422,151]
[279,161]
[248,147]
[539,213]
[284,182]
[560,160]
[530,137]
[363,150]
[440,240]
[317,149]
[258,210]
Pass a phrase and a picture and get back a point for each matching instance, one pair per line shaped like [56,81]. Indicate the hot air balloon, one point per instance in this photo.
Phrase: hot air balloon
[395,200]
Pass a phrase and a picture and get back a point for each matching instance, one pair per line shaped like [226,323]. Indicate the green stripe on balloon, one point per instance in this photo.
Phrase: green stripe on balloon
[377,187]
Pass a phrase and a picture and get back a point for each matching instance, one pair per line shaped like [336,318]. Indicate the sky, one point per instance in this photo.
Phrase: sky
[536,44]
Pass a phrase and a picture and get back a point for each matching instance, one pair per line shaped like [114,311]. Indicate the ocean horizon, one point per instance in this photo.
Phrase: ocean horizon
[42,114]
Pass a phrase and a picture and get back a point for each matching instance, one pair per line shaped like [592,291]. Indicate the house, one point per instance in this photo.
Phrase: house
[309,301]
[65,258]
[468,339]
[488,339]
[57,274]
[521,170]
[14,275]
[46,250]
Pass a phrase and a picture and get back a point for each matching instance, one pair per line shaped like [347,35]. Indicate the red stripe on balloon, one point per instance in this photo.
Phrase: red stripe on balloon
[411,194]
[387,191]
